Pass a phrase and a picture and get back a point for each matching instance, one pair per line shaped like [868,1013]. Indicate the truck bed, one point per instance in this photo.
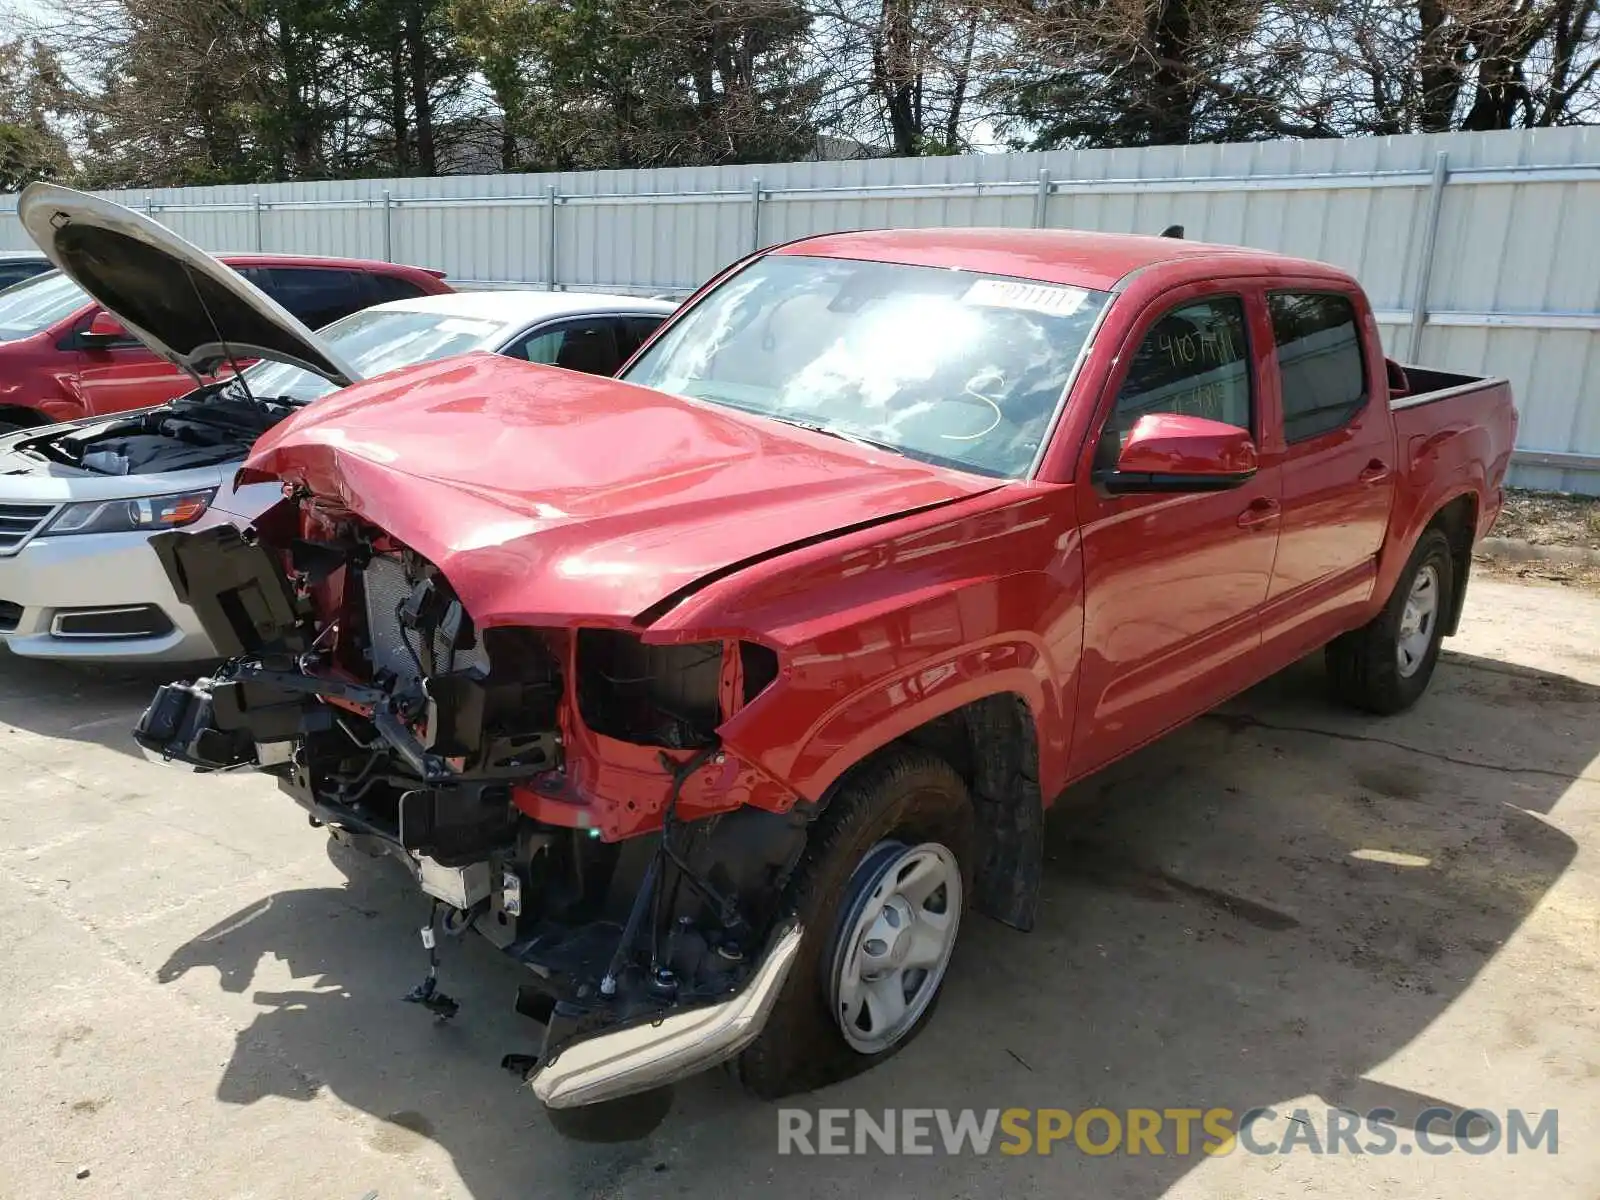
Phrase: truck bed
[1455,433]
[1428,385]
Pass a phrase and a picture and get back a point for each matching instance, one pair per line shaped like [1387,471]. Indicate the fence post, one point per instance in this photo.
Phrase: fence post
[755,213]
[551,244]
[1041,198]
[1430,234]
[388,226]
[149,205]
[255,201]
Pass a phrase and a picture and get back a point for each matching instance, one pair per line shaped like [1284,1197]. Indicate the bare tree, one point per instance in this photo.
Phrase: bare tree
[900,74]
[1382,67]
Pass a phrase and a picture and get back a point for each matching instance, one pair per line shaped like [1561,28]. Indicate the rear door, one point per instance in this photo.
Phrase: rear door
[1174,582]
[1338,460]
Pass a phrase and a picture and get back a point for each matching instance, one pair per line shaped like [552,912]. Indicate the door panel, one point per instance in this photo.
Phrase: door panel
[116,378]
[1174,584]
[1339,469]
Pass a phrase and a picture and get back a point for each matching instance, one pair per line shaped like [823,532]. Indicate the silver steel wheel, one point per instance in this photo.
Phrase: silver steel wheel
[1417,621]
[895,938]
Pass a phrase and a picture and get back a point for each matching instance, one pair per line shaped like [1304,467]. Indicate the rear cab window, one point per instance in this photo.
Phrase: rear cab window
[1321,371]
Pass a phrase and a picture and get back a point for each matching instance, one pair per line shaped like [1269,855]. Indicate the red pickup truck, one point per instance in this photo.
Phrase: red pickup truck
[718,694]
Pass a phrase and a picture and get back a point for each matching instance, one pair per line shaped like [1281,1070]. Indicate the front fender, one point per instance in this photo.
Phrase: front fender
[810,755]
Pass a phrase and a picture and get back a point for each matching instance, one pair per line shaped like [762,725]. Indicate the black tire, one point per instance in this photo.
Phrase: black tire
[909,795]
[1364,666]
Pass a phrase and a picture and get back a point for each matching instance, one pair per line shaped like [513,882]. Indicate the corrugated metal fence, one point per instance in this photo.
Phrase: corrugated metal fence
[1480,251]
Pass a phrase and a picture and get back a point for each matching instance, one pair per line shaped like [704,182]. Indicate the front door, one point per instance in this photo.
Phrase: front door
[1173,582]
[124,375]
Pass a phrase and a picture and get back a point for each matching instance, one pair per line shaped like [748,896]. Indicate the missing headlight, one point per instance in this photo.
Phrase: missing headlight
[649,695]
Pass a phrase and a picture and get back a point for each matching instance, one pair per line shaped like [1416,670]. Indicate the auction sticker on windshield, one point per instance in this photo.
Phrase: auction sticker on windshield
[1037,297]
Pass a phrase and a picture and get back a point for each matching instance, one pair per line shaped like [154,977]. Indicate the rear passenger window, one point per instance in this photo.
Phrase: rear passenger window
[1194,361]
[315,295]
[1319,362]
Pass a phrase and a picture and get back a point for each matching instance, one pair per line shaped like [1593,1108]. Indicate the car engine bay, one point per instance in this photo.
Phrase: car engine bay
[214,425]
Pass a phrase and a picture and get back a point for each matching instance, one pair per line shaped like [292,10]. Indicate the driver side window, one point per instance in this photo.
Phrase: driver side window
[1195,361]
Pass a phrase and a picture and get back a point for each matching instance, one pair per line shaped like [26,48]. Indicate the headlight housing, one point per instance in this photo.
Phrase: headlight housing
[127,516]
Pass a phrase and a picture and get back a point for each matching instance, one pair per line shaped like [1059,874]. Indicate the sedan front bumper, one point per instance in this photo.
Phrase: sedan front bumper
[47,584]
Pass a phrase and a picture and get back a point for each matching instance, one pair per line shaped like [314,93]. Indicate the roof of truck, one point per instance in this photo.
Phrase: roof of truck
[1065,256]
[525,305]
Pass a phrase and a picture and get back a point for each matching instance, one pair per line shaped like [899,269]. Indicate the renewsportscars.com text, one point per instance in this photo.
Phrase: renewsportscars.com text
[1163,1131]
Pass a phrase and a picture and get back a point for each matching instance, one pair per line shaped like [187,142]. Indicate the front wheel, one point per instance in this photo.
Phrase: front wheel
[1385,666]
[880,891]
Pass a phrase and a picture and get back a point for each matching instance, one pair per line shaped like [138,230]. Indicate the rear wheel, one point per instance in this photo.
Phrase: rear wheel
[880,892]
[1385,666]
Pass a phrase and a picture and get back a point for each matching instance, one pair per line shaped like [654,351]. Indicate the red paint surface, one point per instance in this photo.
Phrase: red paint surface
[1174,444]
[51,374]
[895,592]
[548,497]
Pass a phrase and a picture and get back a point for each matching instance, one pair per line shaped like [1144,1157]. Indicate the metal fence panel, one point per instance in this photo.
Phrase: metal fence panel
[1494,261]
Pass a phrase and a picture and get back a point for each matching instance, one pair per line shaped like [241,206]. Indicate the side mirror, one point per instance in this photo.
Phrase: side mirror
[1168,452]
[105,330]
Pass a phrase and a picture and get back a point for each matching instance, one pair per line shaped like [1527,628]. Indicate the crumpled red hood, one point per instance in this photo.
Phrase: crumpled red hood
[549,497]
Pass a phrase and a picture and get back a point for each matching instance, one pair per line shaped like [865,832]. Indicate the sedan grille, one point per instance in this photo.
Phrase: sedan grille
[395,648]
[19,522]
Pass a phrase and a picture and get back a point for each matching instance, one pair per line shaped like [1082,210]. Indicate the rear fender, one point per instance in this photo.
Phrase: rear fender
[1440,468]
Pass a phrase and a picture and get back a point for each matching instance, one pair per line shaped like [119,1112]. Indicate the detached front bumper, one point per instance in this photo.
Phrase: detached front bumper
[61,593]
[636,1058]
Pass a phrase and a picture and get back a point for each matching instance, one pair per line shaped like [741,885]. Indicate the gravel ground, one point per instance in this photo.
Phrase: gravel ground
[1283,905]
[1551,519]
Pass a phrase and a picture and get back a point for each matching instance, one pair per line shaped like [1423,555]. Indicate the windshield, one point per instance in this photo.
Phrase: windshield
[36,304]
[950,367]
[375,341]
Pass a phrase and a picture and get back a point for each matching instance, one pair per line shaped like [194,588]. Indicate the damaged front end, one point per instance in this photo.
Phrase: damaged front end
[563,791]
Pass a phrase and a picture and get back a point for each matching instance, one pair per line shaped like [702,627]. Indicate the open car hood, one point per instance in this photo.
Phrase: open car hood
[174,297]
[547,497]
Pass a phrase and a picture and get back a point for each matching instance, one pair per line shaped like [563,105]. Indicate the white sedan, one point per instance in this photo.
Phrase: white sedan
[79,501]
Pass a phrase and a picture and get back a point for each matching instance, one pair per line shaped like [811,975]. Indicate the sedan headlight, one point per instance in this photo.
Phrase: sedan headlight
[126,516]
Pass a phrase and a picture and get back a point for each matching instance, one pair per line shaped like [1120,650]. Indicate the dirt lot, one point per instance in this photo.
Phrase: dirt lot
[1551,519]
[1562,536]
[1281,905]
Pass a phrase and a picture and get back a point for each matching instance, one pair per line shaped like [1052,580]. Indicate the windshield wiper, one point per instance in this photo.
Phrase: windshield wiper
[843,435]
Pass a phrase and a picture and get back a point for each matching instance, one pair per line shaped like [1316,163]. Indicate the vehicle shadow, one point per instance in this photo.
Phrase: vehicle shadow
[82,702]
[1268,904]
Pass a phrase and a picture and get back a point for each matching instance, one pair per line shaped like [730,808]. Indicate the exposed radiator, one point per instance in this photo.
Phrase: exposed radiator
[396,648]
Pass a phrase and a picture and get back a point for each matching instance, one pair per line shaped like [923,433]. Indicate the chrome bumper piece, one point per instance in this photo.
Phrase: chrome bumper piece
[624,1062]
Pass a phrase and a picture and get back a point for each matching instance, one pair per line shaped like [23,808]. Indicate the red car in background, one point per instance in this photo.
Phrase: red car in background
[63,357]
